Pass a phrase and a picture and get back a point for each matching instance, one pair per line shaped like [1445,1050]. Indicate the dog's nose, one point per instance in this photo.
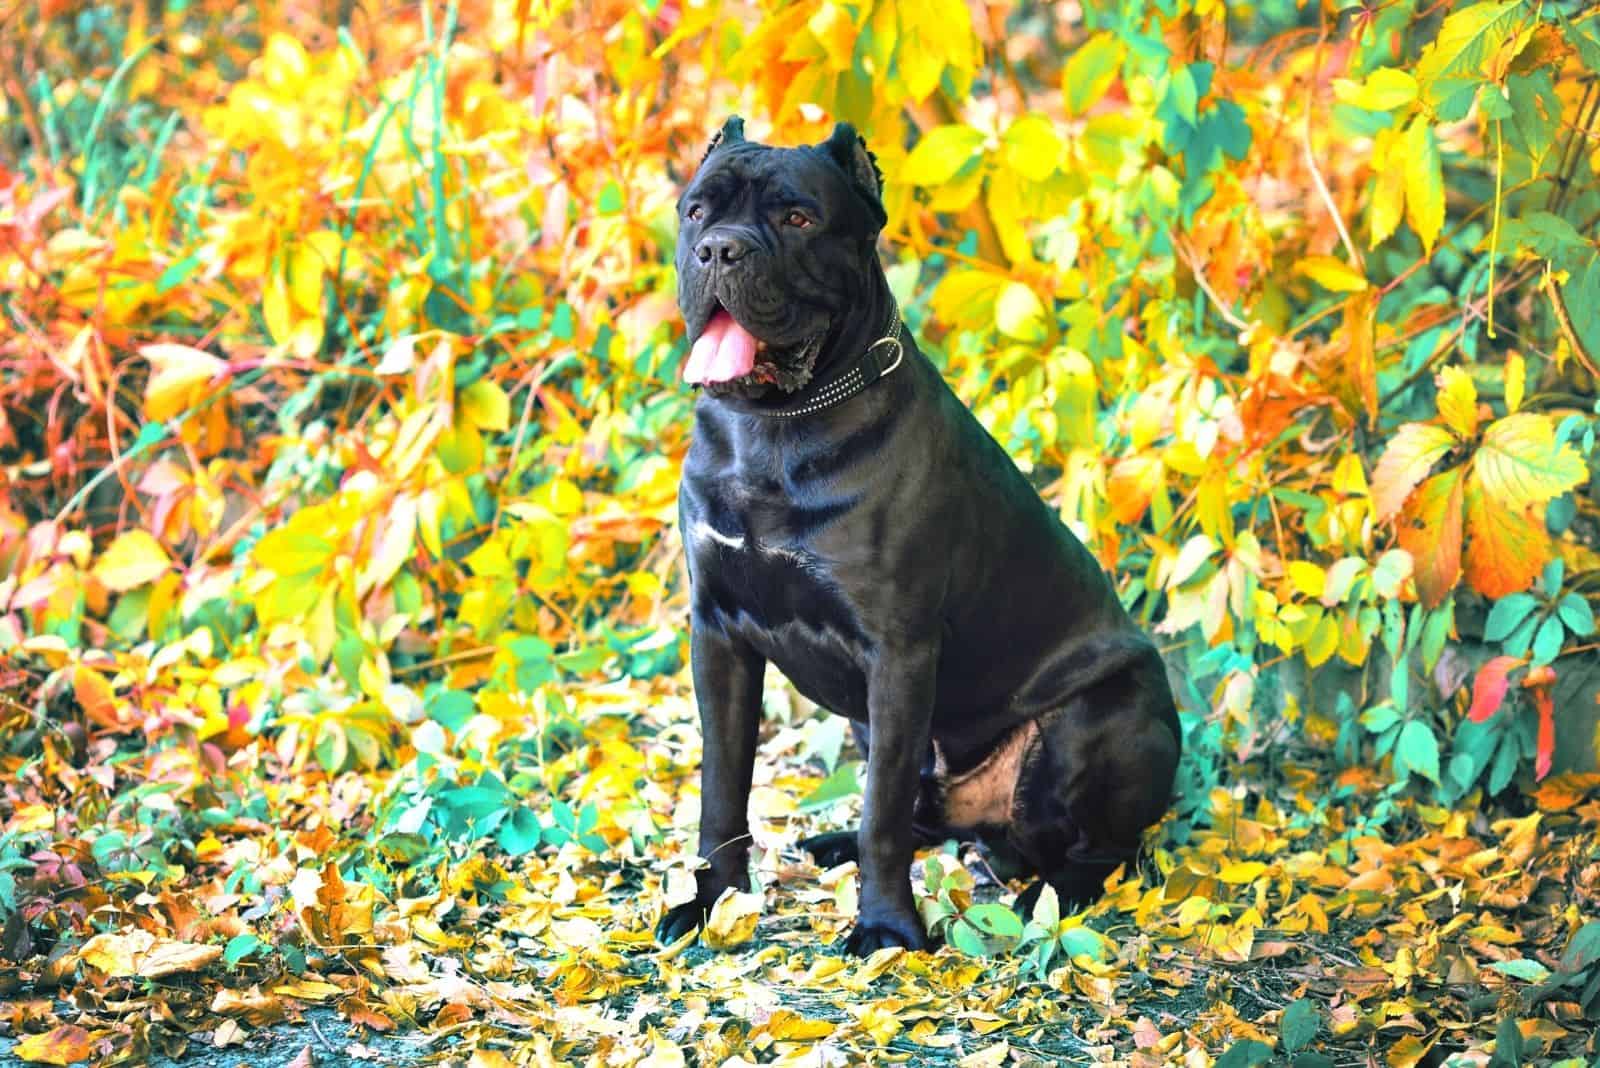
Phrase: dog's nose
[728,248]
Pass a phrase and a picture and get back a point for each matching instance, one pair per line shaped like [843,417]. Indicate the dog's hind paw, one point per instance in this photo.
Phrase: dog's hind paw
[834,848]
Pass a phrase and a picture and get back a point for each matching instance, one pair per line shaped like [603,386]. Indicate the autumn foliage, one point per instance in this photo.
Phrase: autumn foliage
[341,606]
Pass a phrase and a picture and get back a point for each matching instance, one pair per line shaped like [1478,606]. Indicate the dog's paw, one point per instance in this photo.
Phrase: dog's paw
[834,848]
[680,920]
[869,936]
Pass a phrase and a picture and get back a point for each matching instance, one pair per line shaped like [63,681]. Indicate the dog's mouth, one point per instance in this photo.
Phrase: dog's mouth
[727,352]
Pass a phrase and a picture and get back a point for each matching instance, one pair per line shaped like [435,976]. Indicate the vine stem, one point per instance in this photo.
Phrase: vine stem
[1494,231]
[1311,159]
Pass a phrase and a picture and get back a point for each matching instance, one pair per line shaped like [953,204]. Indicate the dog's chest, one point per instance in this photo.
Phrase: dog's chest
[759,578]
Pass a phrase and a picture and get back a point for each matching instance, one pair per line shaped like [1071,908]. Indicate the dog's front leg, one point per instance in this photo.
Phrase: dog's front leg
[727,687]
[899,716]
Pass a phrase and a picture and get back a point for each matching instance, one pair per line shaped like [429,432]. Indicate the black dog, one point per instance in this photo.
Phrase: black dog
[848,520]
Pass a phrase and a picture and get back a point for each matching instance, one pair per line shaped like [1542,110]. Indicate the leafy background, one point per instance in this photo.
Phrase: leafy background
[342,651]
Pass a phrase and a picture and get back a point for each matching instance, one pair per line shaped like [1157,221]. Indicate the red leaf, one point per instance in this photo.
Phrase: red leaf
[1489,688]
[1547,732]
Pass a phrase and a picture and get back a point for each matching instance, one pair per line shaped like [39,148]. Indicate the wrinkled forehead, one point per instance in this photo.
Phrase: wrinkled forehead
[798,174]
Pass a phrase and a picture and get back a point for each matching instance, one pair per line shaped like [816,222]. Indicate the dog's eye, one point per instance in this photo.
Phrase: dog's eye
[697,213]
[796,218]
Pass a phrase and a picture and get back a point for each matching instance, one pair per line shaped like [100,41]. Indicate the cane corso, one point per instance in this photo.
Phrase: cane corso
[849,521]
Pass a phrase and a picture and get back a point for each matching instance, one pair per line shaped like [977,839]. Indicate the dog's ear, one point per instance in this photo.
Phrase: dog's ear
[732,133]
[849,150]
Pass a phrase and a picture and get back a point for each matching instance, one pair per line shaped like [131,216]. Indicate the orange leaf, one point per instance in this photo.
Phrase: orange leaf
[67,1044]
[1131,484]
[1489,688]
[1506,547]
[96,698]
[1430,531]
[1360,315]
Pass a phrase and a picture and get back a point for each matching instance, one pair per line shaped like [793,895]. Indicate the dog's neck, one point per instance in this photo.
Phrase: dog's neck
[846,343]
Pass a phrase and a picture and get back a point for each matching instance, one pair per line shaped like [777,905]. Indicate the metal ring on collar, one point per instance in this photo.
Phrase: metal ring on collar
[899,351]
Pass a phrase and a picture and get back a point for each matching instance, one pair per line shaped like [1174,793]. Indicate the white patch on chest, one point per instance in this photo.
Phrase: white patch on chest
[702,532]
[706,532]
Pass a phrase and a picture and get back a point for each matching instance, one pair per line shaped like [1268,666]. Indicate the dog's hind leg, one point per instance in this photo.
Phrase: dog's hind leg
[1101,772]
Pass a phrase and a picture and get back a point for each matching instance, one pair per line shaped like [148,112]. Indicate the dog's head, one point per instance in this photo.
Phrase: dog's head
[776,248]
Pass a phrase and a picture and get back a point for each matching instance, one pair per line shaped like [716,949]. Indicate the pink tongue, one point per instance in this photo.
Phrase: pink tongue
[725,350]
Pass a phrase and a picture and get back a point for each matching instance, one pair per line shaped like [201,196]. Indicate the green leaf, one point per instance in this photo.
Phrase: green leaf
[1547,643]
[1090,72]
[1418,750]
[1460,54]
[1299,1025]
[520,833]
[1246,1053]
[1584,949]
[995,920]
[610,200]
[1183,96]
[1085,942]
[1575,612]
[1507,614]
[240,946]
[966,939]
[842,783]
[941,154]
[1530,971]
[1424,181]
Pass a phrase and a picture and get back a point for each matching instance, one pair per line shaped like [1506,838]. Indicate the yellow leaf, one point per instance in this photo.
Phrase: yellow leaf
[308,990]
[664,1053]
[1516,381]
[1412,452]
[1520,463]
[941,154]
[132,560]
[275,308]
[116,953]
[1031,147]
[178,376]
[1424,182]
[835,30]
[285,65]
[1020,314]
[305,279]
[486,405]
[1241,872]
[1389,187]
[1332,273]
[992,1057]
[293,550]
[733,920]
[791,1027]
[1458,401]
[1384,89]
[67,1044]
[1307,578]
